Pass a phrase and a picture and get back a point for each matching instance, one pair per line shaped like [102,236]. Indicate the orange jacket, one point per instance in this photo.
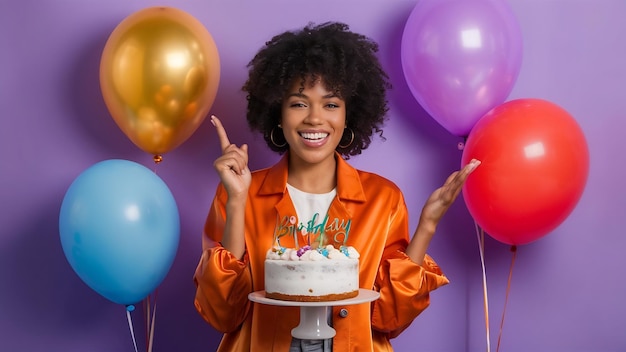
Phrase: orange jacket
[378,230]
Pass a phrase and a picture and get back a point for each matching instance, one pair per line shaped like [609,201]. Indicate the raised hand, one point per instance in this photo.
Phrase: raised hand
[436,206]
[232,165]
[442,198]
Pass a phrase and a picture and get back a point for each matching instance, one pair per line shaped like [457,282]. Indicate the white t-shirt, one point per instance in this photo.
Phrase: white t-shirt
[311,208]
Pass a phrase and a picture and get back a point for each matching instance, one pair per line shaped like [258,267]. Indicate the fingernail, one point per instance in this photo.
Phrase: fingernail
[213,119]
[474,164]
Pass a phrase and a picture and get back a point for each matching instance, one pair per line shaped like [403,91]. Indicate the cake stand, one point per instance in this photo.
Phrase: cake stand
[313,319]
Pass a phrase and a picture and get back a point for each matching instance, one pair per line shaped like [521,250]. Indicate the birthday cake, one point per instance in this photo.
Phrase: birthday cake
[312,274]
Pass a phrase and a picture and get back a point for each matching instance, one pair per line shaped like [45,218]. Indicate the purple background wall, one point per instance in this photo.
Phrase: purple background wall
[568,288]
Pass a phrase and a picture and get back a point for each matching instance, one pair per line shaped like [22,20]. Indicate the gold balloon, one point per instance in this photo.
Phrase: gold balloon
[159,75]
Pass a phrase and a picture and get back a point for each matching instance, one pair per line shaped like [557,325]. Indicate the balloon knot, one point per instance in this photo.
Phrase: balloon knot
[461,145]
[130,307]
[513,248]
[157,159]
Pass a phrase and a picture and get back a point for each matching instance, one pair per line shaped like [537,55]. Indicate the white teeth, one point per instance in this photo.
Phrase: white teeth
[314,136]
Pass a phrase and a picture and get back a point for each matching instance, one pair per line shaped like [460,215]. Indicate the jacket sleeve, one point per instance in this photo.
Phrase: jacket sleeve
[222,281]
[404,286]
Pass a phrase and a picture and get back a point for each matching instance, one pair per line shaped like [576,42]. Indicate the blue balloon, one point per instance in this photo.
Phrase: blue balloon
[120,229]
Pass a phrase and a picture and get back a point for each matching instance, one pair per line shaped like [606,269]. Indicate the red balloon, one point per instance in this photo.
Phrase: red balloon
[535,164]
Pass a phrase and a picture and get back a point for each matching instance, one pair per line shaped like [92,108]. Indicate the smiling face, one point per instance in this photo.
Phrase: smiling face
[313,120]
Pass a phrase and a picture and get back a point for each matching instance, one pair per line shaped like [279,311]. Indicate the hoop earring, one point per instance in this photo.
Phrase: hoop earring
[344,146]
[272,138]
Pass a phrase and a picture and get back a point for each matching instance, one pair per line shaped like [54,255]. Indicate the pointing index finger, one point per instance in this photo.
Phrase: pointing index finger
[221,132]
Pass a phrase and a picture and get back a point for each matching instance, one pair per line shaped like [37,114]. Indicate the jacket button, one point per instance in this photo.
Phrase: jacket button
[343,313]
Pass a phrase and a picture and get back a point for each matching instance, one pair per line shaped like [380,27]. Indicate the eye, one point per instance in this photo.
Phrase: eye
[332,106]
[297,105]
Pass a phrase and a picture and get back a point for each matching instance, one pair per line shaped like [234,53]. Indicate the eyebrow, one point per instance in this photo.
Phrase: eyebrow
[301,95]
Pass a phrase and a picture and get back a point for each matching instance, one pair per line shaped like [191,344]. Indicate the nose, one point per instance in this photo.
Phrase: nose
[314,116]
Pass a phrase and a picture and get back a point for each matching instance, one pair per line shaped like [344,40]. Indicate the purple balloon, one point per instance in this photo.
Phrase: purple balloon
[461,58]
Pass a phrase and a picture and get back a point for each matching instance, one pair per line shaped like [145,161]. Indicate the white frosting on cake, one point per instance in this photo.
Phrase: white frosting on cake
[312,274]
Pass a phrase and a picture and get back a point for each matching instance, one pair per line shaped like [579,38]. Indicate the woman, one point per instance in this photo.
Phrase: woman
[317,95]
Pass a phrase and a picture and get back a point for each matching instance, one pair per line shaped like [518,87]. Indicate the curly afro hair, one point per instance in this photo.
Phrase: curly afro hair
[347,63]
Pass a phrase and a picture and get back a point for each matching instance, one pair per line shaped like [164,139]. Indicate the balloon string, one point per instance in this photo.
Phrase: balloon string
[481,246]
[150,344]
[506,297]
[149,319]
[146,318]
[130,326]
